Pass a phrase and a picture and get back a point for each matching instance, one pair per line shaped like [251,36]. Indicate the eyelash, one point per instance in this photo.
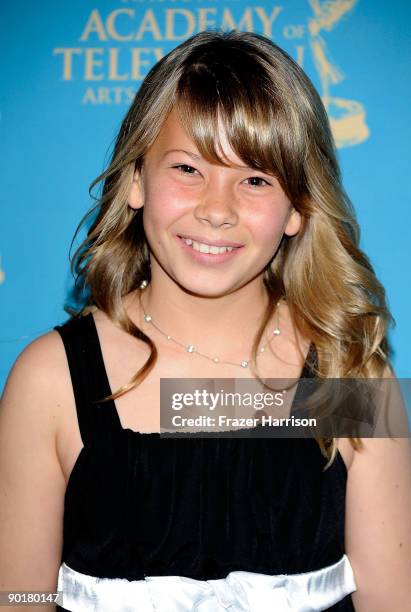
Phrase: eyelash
[260,178]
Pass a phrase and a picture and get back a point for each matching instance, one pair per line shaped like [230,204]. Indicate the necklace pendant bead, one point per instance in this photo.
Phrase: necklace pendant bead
[190,348]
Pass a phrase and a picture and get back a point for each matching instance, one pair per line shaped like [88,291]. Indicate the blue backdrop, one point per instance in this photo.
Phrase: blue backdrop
[70,69]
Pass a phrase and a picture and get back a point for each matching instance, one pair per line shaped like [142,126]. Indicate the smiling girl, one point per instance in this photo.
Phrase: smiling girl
[224,246]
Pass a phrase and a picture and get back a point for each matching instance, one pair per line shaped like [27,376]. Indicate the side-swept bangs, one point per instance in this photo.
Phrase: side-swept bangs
[239,88]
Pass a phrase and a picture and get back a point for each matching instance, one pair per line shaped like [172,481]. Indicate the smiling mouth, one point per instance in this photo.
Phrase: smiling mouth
[207,248]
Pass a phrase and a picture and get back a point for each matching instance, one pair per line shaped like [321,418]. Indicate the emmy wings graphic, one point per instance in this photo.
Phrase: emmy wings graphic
[2,274]
[347,117]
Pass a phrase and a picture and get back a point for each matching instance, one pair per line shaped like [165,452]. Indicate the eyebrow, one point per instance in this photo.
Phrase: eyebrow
[189,153]
[197,157]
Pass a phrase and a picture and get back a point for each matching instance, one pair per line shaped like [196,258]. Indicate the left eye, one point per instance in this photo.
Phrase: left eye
[255,182]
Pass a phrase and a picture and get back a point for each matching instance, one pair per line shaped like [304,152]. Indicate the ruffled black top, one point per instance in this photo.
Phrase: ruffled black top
[141,505]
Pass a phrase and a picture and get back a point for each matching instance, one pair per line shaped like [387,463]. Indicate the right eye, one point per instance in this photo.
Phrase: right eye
[185,169]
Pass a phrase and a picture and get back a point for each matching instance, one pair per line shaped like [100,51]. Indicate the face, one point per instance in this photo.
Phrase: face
[193,208]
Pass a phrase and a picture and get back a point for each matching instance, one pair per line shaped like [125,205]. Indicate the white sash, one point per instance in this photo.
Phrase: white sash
[238,592]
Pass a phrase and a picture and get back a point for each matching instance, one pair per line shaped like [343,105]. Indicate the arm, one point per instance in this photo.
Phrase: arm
[32,483]
[378,523]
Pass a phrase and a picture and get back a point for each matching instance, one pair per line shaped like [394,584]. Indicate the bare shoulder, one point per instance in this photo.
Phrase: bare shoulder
[378,529]
[32,481]
[38,361]
[378,504]
[36,383]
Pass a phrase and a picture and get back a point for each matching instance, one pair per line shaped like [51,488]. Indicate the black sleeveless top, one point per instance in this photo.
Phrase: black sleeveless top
[138,504]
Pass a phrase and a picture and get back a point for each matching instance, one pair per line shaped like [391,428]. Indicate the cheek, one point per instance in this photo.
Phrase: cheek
[164,204]
[165,201]
[268,225]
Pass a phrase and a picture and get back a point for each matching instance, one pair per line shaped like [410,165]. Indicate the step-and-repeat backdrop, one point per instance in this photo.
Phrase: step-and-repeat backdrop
[71,68]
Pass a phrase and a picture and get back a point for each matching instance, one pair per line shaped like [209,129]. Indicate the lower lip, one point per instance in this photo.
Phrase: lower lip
[209,258]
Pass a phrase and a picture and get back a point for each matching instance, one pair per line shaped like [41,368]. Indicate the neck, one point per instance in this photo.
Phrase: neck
[219,325]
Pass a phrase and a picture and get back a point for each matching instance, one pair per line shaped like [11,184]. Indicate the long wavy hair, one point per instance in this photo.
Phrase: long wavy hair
[276,122]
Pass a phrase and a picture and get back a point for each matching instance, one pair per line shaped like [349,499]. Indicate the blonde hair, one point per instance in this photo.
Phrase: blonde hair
[275,121]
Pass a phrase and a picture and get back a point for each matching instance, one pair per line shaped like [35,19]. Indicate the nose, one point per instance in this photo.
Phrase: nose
[217,206]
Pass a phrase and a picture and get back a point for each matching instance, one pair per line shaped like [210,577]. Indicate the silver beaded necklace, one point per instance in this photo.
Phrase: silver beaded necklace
[190,348]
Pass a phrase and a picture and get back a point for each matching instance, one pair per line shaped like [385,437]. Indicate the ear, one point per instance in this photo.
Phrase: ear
[294,223]
[136,197]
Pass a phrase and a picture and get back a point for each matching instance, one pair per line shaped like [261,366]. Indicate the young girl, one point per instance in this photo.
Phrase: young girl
[224,246]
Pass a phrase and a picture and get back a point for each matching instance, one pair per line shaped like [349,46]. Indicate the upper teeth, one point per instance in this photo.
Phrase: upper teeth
[206,248]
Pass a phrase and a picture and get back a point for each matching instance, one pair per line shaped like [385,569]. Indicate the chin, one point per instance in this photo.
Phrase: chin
[206,288]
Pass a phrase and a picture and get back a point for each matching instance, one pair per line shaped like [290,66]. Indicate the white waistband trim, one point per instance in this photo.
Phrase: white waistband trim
[238,592]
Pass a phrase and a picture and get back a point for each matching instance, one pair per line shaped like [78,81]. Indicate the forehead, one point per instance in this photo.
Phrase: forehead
[173,135]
